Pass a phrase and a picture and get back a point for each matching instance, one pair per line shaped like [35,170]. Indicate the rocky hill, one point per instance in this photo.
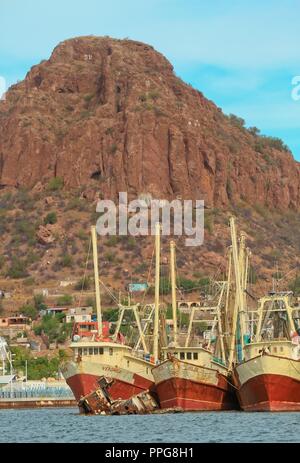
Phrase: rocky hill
[103,116]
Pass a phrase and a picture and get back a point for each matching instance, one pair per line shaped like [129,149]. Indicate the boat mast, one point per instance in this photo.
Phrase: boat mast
[156,302]
[96,276]
[226,318]
[243,276]
[238,297]
[173,286]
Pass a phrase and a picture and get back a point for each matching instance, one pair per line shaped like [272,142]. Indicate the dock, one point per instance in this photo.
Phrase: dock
[31,402]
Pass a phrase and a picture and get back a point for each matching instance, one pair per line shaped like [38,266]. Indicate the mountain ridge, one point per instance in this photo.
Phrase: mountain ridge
[111,113]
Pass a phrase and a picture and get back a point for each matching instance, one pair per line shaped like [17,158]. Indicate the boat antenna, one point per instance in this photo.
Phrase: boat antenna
[96,276]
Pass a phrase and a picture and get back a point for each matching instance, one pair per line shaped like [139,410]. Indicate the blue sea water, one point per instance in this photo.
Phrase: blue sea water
[66,425]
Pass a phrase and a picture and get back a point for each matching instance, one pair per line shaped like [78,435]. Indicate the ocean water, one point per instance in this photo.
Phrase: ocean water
[66,425]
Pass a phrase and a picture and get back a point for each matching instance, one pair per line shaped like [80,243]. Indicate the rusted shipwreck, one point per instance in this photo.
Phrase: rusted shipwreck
[99,402]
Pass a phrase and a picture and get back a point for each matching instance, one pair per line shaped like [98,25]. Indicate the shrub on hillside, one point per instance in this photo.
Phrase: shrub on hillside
[29,310]
[55,184]
[66,299]
[17,269]
[50,218]
[83,284]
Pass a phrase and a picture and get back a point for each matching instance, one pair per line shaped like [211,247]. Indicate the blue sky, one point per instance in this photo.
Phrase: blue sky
[241,54]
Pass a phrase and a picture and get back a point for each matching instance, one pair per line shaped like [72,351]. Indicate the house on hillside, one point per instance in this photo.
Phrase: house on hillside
[79,314]
[11,326]
[54,311]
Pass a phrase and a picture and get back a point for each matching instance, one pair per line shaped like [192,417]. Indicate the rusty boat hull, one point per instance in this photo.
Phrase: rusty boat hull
[268,383]
[192,387]
[83,378]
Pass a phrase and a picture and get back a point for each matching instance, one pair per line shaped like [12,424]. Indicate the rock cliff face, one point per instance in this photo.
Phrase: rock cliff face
[112,114]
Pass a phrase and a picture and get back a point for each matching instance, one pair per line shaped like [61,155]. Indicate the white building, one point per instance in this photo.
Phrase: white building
[79,314]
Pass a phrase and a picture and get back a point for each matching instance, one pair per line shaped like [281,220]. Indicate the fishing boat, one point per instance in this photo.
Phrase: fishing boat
[197,377]
[266,370]
[267,375]
[110,356]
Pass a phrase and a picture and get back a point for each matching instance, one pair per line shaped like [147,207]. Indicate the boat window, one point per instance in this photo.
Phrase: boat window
[96,350]
[195,355]
[182,356]
[275,349]
[128,363]
[147,370]
[80,351]
[101,350]
[110,351]
[85,351]
[189,355]
[281,349]
[91,351]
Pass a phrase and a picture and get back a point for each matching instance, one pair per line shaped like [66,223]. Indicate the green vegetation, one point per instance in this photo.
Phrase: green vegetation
[262,140]
[37,367]
[254,131]
[26,228]
[83,284]
[54,328]
[50,218]
[111,315]
[87,98]
[113,148]
[295,286]
[187,285]
[83,235]
[65,300]
[17,269]
[29,281]
[184,284]
[29,311]
[90,302]
[274,142]
[66,261]
[39,302]
[208,222]
[261,210]
[110,256]
[55,184]
[130,242]
[77,204]
[24,200]
[112,241]
[236,121]
[141,268]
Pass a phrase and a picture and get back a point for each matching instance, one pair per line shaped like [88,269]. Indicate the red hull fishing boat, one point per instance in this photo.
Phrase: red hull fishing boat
[193,387]
[266,370]
[196,377]
[105,355]
[131,374]
[268,377]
